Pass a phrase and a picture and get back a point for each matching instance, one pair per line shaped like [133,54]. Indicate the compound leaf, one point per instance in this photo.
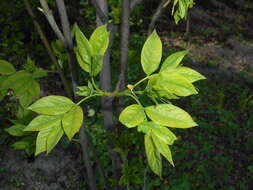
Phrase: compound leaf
[53,138]
[52,105]
[153,156]
[190,74]
[99,40]
[173,60]
[163,134]
[97,64]
[43,121]
[84,50]
[163,149]
[170,115]
[151,53]
[176,84]
[132,116]
[41,141]
[72,121]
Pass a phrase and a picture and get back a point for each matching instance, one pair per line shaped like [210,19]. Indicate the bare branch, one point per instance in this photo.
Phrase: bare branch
[50,17]
[65,23]
[102,16]
[157,14]
[48,47]
[125,32]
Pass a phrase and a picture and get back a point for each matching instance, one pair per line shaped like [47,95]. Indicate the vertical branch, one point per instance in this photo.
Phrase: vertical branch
[105,80]
[67,40]
[48,48]
[86,158]
[157,14]
[50,17]
[125,32]
[187,28]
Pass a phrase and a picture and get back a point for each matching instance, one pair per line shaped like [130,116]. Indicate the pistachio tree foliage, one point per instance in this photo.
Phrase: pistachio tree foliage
[164,81]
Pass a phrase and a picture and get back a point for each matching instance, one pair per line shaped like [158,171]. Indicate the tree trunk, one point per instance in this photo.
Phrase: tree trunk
[105,81]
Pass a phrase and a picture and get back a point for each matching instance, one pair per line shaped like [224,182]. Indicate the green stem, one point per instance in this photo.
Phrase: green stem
[94,84]
[139,82]
[135,98]
[88,97]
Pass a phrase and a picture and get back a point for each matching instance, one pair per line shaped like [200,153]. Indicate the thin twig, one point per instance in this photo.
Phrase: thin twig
[102,16]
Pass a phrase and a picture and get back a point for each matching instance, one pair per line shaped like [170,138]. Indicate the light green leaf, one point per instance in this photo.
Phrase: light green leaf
[190,74]
[155,88]
[16,130]
[32,93]
[132,116]
[163,149]
[173,60]
[99,40]
[83,64]
[39,73]
[84,49]
[174,83]
[153,156]
[54,137]
[17,82]
[52,105]
[83,91]
[41,141]
[145,127]
[43,121]
[163,134]
[151,53]
[50,132]
[72,121]
[6,68]
[170,115]
[182,8]
[97,64]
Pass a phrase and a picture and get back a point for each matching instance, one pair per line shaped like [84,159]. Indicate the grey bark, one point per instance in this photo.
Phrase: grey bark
[50,17]
[124,36]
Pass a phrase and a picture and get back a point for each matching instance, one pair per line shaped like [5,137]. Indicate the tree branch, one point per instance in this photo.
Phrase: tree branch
[50,17]
[125,32]
[157,14]
[68,42]
[48,47]
[100,13]
[65,23]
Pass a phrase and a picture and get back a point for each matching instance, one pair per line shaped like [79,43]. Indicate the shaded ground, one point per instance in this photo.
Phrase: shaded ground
[60,170]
